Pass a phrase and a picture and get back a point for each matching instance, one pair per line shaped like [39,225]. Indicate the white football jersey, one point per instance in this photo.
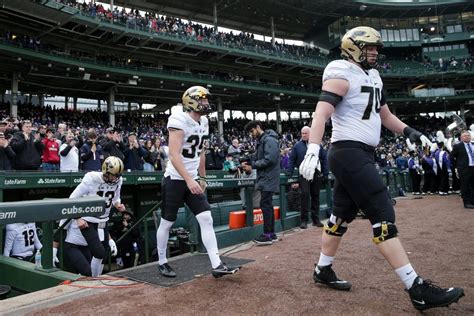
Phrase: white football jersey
[357,116]
[93,184]
[193,140]
[21,240]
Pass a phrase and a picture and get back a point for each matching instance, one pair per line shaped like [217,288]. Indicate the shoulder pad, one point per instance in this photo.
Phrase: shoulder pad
[337,69]
[177,120]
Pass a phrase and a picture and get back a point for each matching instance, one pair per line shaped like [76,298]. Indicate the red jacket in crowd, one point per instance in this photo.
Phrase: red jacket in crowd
[51,151]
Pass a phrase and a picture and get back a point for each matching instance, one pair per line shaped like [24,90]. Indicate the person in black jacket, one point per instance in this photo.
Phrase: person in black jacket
[7,155]
[91,153]
[126,248]
[294,197]
[463,158]
[28,148]
[267,163]
[112,144]
[309,189]
[134,154]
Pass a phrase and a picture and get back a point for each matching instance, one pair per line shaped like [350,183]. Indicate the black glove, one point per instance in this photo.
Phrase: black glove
[412,134]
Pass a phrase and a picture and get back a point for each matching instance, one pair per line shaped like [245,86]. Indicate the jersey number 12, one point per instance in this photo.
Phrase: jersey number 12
[374,98]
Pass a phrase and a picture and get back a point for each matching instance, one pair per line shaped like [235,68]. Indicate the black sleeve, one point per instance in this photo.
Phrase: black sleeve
[86,156]
[383,100]
[66,150]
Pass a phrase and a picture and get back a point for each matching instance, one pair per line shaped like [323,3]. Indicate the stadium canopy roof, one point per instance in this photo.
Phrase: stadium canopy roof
[293,19]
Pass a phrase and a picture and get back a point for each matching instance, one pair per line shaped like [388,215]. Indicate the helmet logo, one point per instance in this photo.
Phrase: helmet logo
[358,33]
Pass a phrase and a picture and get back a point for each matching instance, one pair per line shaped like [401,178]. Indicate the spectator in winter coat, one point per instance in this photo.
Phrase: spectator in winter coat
[134,154]
[91,153]
[7,155]
[27,147]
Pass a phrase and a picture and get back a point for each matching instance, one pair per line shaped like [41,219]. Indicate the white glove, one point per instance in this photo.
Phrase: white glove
[113,247]
[410,145]
[425,141]
[449,144]
[55,256]
[310,162]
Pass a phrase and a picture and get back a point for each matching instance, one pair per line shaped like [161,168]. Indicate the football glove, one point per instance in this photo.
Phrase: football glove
[113,247]
[310,162]
[413,136]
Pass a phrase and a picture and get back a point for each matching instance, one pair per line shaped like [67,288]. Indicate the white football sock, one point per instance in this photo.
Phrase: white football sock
[208,237]
[325,260]
[96,267]
[407,274]
[162,236]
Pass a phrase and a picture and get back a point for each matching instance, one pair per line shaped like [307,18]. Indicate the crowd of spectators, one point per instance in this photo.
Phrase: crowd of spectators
[81,139]
[152,22]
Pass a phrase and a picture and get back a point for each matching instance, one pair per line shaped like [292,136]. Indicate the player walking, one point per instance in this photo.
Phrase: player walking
[181,183]
[352,96]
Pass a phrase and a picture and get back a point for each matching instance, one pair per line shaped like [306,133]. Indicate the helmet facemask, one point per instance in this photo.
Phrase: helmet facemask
[365,57]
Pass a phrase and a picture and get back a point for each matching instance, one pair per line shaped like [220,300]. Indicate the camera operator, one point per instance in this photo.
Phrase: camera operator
[268,176]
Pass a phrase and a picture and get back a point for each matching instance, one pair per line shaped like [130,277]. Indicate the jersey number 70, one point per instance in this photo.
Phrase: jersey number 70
[374,98]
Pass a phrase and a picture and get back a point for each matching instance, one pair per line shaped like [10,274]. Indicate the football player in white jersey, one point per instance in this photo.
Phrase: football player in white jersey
[21,240]
[352,96]
[83,246]
[184,179]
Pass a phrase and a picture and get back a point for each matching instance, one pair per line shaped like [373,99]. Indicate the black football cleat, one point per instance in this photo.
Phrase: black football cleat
[326,275]
[166,270]
[424,294]
[224,269]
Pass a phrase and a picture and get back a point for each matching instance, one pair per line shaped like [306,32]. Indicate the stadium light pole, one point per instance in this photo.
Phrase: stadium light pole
[272,26]
[13,105]
[220,117]
[110,107]
[215,16]
[278,117]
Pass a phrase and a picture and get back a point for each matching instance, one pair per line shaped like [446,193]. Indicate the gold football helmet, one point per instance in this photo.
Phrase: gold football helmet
[196,99]
[355,41]
[112,169]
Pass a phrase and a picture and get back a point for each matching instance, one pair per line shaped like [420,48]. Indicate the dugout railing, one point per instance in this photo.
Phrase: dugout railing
[141,194]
